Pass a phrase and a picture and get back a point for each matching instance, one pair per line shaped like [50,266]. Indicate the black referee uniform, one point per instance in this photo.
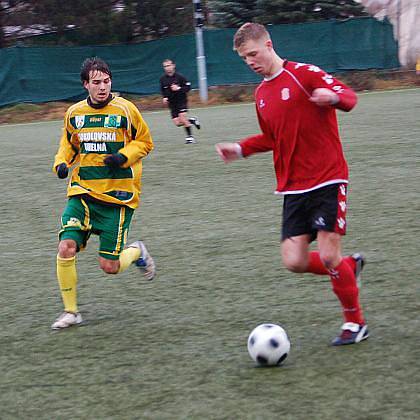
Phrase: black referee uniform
[177,101]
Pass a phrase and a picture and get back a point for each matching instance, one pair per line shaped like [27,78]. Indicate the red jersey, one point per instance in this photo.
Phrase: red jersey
[303,136]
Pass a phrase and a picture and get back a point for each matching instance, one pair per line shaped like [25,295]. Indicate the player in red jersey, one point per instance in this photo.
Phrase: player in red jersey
[295,107]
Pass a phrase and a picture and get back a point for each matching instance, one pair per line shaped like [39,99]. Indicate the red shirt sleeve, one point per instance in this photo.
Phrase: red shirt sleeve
[258,143]
[318,78]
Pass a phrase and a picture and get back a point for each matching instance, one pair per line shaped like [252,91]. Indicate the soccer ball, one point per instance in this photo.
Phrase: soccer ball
[268,344]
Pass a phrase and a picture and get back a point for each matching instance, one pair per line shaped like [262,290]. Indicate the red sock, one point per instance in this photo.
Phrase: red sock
[351,262]
[315,265]
[344,286]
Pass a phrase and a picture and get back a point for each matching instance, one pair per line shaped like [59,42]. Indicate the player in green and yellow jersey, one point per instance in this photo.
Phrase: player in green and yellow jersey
[104,139]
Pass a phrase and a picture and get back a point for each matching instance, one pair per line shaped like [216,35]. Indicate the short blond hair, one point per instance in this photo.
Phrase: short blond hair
[247,31]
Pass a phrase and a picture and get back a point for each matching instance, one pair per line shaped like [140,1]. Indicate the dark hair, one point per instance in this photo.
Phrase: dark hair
[95,64]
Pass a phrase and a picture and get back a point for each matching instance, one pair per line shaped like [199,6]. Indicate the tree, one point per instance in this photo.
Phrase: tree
[232,13]
[81,22]
[168,17]
[95,21]
[235,13]
[2,40]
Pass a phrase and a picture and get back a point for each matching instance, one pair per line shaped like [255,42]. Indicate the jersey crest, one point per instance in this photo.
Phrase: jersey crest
[285,94]
[79,121]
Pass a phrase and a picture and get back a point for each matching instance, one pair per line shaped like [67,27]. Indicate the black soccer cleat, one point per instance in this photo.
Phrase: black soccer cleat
[195,121]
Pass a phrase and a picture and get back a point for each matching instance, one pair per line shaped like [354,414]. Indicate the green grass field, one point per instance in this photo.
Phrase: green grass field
[175,348]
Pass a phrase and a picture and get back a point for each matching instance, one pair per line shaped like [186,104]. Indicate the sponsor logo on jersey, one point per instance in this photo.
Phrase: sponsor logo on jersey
[112,121]
[95,147]
[261,104]
[97,136]
[80,121]
[95,119]
[285,94]
[74,221]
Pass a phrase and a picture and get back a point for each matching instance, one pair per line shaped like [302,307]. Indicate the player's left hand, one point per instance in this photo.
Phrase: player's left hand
[115,160]
[324,97]
[62,170]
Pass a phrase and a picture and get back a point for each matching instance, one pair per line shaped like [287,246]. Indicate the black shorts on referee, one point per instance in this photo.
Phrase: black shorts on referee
[177,108]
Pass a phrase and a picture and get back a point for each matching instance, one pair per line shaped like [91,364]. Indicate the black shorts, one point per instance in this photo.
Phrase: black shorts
[177,108]
[320,209]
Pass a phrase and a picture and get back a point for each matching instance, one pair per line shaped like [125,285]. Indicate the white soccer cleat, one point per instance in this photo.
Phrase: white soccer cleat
[190,140]
[66,320]
[351,333]
[145,262]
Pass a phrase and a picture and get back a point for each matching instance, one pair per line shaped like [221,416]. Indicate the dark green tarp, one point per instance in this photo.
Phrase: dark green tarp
[41,74]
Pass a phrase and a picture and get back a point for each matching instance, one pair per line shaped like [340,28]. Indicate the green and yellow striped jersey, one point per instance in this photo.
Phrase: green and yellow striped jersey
[90,135]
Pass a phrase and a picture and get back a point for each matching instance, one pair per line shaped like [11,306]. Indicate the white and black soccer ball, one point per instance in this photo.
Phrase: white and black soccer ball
[268,344]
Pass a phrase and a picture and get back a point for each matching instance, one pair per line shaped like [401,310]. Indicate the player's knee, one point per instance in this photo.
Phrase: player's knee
[330,260]
[294,263]
[67,248]
[109,266]
[110,270]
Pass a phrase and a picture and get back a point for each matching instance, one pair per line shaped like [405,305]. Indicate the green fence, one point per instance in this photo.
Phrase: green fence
[41,74]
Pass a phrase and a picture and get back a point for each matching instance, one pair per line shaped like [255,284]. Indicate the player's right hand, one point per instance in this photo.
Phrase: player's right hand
[62,170]
[324,97]
[229,151]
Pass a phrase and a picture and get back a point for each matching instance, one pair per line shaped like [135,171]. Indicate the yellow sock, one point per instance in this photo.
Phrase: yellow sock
[67,279]
[127,257]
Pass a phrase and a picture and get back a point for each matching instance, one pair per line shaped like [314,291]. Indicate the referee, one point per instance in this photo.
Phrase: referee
[174,88]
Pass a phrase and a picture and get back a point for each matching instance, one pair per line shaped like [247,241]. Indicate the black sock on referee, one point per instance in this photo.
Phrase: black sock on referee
[188,130]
